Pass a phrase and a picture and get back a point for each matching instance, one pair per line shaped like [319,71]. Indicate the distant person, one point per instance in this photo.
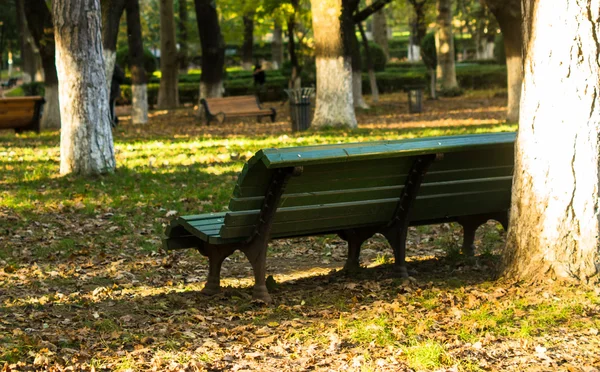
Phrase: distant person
[259,75]
[115,93]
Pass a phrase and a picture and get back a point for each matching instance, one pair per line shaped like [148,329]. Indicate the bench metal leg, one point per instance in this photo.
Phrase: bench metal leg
[397,229]
[470,226]
[257,255]
[355,239]
[216,256]
[396,236]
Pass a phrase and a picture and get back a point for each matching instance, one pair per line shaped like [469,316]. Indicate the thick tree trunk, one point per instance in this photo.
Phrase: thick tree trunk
[508,15]
[30,56]
[139,91]
[86,143]
[39,20]
[183,36]
[111,15]
[554,222]
[335,105]
[444,44]
[380,34]
[277,46]
[213,50]
[168,92]
[248,44]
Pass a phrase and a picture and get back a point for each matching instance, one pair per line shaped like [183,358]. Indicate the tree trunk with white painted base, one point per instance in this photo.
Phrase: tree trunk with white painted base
[335,105]
[39,20]
[277,46]
[213,49]
[111,15]
[370,67]
[139,91]
[555,220]
[444,44]
[168,92]
[86,143]
[508,15]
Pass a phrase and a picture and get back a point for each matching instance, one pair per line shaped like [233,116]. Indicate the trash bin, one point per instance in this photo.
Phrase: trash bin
[415,99]
[300,108]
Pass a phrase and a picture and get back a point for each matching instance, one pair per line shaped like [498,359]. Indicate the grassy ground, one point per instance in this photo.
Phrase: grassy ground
[84,282]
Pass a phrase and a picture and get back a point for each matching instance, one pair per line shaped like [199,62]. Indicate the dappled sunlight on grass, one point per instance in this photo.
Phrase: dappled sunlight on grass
[84,280]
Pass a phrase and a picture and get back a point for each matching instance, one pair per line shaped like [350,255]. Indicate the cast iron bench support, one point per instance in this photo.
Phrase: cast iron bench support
[255,247]
[396,230]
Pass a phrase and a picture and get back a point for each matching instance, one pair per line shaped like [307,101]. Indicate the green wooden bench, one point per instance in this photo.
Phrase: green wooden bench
[353,190]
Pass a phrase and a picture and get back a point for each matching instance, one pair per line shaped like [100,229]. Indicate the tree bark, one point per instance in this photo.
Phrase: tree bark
[213,49]
[111,15]
[86,143]
[31,61]
[295,80]
[277,46]
[139,90]
[248,44]
[184,60]
[380,35]
[335,105]
[554,229]
[508,15]
[39,20]
[352,46]
[168,92]
[418,29]
[444,44]
[372,78]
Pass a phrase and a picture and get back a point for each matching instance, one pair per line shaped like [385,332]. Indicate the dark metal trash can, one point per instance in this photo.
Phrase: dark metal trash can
[300,112]
[415,99]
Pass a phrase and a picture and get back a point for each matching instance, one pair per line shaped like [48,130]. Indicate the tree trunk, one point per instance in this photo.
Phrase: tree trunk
[554,221]
[111,15]
[444,44]
[168,92]
[372,78]
[295,80]
[213,49]
[508,15]
[39,20]
[183,36]
[335,105]
[380,36]
[139,91]
[277,46]
[418,29]
[248,44]
[352,46]
[30,57]
[86,143]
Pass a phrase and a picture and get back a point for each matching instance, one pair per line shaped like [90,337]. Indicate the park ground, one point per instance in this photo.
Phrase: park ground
[85,285]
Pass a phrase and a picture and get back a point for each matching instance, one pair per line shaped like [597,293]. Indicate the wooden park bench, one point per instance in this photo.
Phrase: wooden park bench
[235,107]
[354,190]
[21,113]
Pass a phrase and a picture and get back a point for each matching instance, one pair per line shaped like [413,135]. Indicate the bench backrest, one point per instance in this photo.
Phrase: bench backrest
[230,105]
[353,185]
[18,112]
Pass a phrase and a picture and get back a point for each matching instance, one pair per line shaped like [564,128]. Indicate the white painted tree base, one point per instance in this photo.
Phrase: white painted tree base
[357,91]
[51,112]
[139,104]
[335,104]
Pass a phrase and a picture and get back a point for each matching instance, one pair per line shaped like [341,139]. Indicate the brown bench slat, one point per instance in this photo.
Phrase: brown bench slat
[235,107]
[21,113]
